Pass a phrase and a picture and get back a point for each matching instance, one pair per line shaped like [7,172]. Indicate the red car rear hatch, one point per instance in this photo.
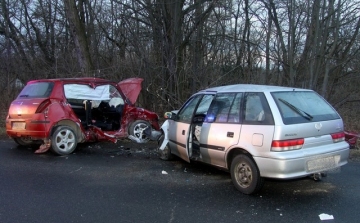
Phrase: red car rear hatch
[24,108]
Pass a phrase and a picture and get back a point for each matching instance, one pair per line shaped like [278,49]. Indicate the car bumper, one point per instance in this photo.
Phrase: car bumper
[33,129]
[31,135]
[300,167]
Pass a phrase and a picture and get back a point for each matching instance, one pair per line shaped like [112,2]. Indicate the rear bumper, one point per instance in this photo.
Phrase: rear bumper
[302,166]
[34,129]
[28,134]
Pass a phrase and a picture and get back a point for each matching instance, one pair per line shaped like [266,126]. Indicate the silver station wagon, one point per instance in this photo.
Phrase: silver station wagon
[257,132]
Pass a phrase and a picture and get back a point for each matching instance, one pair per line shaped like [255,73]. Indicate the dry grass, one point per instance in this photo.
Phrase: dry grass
[2,122]
[354,155]
[350,114]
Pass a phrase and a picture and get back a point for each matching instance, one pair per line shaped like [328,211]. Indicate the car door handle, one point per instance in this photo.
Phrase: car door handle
[183,132]
[230,134]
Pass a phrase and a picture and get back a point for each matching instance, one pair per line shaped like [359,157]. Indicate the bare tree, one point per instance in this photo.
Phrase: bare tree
[76,18]
[181,46]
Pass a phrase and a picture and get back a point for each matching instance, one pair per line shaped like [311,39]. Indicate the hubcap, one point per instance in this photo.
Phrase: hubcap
[244,175]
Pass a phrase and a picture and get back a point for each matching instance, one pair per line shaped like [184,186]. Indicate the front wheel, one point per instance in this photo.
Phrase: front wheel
[63,141]
[137,129]
[245,175]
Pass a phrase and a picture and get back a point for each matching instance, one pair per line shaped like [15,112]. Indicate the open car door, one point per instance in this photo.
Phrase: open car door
[131,88]
[180,130]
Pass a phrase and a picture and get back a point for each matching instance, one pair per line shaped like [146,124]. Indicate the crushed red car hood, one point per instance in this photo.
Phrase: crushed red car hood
[131,88]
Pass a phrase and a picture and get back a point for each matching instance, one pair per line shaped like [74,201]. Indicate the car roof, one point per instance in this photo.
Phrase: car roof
[251,88]
[75,80]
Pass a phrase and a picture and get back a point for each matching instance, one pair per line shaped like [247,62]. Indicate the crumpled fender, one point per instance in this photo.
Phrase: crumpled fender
[165,129]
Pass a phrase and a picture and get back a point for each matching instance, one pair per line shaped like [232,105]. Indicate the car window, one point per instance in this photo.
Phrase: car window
[204,104]
[199,102]
[37,90]
[187,110]
[225,108]
[115,97]
[114,92]
[234,115]
[303,106]
[257,110]
[253,108]
[86,92]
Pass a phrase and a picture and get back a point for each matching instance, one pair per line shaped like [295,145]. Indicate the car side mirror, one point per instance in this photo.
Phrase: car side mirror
[168,115]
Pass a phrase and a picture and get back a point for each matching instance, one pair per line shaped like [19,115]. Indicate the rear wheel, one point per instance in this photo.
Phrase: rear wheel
[165,154]
[137,129]
[24,141]
[245,175]
[63,141]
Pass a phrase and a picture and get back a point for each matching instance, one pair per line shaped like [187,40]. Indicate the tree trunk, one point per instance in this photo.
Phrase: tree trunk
[78,33]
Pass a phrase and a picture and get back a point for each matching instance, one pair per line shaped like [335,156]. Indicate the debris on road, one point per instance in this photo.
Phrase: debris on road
[326,217]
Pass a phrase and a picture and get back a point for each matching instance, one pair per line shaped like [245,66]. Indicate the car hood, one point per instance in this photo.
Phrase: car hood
[131,88]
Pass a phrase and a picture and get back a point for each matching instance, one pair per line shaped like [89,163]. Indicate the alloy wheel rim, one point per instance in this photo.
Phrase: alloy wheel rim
[65,140]
[138,131]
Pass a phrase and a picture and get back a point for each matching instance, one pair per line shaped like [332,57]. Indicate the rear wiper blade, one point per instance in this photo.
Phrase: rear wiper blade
[24,96]
[297,110]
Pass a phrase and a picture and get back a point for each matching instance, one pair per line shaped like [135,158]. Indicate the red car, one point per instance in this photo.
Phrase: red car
[60,113]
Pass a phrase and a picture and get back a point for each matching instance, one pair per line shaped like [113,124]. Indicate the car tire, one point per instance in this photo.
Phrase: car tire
[63,140]
[164,154]
[137,129]
[24,142]
[245,175]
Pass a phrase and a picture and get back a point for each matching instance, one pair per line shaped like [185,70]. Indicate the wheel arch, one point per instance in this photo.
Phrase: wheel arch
[78,132]
[234,152]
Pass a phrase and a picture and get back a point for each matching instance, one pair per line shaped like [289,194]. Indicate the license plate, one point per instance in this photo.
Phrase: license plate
[323,163]
[18,125]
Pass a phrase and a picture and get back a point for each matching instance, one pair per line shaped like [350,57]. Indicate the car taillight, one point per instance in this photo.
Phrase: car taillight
[43,106]
[285,145]
[338,137]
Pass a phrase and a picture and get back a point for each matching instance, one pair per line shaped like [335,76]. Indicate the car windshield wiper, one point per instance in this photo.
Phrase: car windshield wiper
[296,109]
[24,96]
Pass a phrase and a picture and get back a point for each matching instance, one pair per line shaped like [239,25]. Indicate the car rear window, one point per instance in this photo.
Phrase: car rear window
[303,106]
[37,90]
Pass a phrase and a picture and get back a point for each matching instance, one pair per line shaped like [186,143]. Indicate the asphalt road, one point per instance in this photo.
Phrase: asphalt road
[124,182]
